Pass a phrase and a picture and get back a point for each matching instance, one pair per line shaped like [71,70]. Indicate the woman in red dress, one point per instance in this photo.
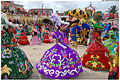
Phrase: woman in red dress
[96,56]
[46,38]
[23,40]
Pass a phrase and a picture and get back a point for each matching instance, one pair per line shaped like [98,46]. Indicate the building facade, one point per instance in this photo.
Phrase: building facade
[42,11]
[11,5]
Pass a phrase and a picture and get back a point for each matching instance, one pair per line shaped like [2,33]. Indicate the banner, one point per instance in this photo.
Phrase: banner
[61,14]
[13,6]
[1,3]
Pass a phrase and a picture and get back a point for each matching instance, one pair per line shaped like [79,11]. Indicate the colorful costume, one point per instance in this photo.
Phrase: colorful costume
[111,40]
[50,37]
[74,32]
[94,55]
[60,61]
[23,40]
[46,38]
[26,30]
[35,40]
[14,62]
[117,36]
[114,65]
[91,37]
[86,29]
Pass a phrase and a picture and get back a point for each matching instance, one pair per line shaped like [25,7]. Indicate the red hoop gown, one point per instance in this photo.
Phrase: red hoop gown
[96,56]
[46,38]
[23,40]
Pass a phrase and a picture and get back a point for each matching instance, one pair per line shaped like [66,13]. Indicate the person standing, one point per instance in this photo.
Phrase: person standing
[60,61]
[94,55]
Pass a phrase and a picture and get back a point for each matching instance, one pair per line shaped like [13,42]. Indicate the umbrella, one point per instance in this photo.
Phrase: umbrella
[78,13]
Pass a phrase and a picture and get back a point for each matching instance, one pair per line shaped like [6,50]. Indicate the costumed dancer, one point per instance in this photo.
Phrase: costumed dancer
[104,34]
[60,61]
[46,38]
[18,35]
[43,32]
[65,39]
[86,29]
[94,55]
[35,40]
[116,32]
[111,39]
[30,29]
[23,40]
[114,65]
[39,33]
[14,62]
[75,29]
[14,40]
[26,29]
[50,37]
[91,36]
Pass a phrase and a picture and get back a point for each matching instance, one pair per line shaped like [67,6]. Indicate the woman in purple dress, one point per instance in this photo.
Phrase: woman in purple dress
[60,61]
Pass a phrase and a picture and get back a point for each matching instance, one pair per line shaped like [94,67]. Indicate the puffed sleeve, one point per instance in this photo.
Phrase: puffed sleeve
[55,35]
[95,34]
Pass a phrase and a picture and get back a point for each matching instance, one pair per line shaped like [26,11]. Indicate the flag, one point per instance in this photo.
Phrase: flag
[13,6]
[64,14]
[43,14]
[1,3]
[109,15]
[47,14]
[112,15]
[117,15]
[61,14]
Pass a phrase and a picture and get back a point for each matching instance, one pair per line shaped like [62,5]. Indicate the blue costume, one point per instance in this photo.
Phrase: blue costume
[84,25]
[74,32]
[117,36]
[107,27]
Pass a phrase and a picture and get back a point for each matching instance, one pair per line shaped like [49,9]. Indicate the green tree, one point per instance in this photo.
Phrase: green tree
[113,9]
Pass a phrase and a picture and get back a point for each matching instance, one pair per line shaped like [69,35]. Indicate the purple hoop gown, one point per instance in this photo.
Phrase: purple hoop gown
[58,62]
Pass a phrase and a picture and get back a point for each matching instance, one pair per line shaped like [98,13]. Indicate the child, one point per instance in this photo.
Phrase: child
[35,40]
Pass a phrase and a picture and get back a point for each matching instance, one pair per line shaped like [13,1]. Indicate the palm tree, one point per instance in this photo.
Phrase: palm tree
[113,9]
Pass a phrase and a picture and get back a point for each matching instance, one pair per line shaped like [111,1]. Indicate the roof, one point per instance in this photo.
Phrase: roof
[42,9]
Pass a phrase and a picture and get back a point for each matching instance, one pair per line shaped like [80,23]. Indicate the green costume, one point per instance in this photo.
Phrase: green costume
[14,62]
[110,41]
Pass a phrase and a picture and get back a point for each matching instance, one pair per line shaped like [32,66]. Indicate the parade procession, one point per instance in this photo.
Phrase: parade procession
[63,40]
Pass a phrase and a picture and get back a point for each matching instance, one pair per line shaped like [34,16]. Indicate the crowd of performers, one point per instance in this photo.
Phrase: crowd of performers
[60,61]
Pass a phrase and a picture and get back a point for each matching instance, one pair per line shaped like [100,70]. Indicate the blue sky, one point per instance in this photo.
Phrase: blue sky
[62,6]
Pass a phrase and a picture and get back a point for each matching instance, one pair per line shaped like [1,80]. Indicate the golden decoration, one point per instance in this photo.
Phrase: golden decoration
[94,64]
[86,63]
[7,51]
[103,66]
[5,69]
[81,59]
[92,56]
[25,70]
[97,57]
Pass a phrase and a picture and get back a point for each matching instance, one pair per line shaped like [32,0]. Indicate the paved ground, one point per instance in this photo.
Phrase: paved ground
[35,52]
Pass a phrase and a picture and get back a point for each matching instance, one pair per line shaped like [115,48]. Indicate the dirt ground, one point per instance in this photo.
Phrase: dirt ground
[35,52]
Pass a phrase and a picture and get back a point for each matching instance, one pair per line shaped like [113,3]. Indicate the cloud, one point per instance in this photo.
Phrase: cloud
[62,6]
